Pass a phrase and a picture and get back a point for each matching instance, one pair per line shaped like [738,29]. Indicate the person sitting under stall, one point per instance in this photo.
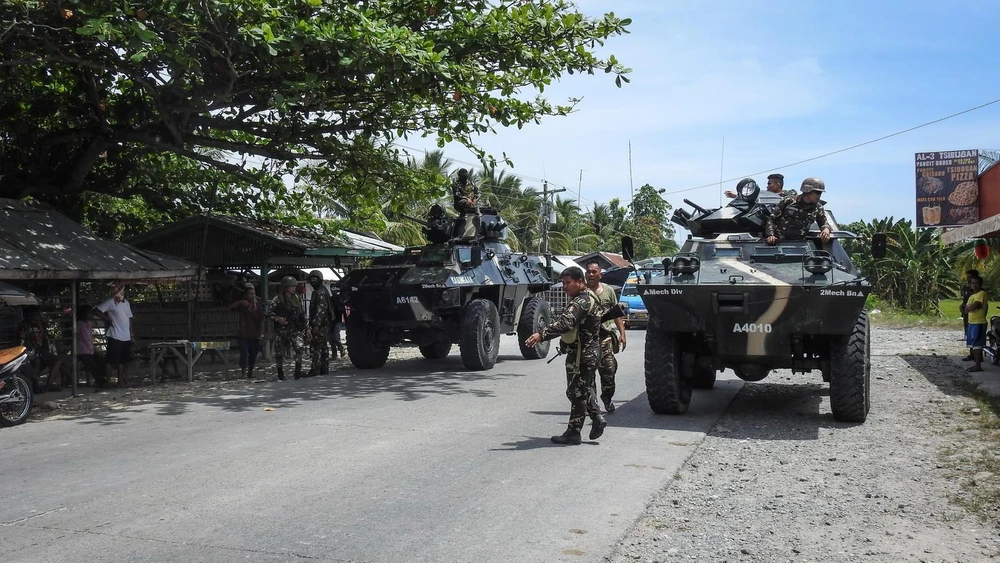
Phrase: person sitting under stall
[33,336]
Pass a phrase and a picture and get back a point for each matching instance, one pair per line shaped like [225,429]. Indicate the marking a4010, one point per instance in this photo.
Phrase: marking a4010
[752,327]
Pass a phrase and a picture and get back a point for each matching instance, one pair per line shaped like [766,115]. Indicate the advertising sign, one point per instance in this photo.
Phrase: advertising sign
[947,188]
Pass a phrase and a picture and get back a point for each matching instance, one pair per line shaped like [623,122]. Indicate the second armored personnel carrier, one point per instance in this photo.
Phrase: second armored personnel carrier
[729,300]
[465,290]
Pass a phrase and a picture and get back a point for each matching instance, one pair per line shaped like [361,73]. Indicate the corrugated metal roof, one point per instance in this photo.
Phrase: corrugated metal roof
[221,241]
[37,242]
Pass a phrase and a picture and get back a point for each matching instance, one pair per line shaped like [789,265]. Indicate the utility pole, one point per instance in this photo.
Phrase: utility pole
[545,222]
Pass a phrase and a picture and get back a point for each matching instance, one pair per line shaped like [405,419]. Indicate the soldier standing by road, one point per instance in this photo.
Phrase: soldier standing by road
[319,323]
[578,326]
[791,218]
[339,315]
[611,342]
[291,331]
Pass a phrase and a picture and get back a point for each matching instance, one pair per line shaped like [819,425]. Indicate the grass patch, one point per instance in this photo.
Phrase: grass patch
[893,318]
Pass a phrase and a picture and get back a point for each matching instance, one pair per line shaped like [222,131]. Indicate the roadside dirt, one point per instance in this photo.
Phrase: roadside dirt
[777,479]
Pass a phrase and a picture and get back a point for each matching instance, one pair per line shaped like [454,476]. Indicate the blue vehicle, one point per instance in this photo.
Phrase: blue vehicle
[632,304]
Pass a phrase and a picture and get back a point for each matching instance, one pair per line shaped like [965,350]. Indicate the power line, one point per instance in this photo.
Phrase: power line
[852,147]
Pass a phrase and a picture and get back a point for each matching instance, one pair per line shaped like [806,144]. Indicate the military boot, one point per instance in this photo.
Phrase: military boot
[243,372]
[569,437]
[313,371]
[324,368]
[597,426]
[281,372]
[298,370]
[250,372]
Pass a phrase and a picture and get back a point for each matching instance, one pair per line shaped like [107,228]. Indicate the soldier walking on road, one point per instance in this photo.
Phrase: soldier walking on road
[611,340]
[291,330]
[578,327]
[319,323]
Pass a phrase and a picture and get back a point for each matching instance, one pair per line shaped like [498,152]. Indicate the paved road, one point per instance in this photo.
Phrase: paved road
[420,461]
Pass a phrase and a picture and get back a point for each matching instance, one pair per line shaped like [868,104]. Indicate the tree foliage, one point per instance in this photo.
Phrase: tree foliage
[99,97]
[917,270]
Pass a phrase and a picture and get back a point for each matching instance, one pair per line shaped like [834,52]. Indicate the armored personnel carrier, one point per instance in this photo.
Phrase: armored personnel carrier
[728,300]
[466,287]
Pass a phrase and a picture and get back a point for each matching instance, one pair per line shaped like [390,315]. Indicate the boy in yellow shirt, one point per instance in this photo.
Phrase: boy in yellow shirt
[975,332]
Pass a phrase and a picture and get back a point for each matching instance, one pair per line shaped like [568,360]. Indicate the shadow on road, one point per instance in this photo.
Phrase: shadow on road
[949,378]
[407,380]
[534,443]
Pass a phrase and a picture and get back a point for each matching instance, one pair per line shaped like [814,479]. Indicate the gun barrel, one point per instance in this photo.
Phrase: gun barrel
[697,207]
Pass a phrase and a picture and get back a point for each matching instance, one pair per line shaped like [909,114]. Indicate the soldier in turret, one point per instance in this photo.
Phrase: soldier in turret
[291,330]
[578,328]
[791,218]
[319,323]
[466,197]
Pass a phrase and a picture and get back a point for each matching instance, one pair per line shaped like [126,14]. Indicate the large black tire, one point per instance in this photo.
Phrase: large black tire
[365,352]
[535,315]
[480,343]
[667,391]
[704,378]
[850,374]
[17,398]
[437,350]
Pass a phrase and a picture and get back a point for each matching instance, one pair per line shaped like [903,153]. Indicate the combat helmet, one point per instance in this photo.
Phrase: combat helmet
[316,274]
[289,281]
[813,185]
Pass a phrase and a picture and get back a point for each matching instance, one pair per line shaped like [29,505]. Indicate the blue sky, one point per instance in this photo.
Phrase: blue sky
[782,82]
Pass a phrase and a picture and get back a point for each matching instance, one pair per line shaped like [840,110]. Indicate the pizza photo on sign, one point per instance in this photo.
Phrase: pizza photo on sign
[965,193]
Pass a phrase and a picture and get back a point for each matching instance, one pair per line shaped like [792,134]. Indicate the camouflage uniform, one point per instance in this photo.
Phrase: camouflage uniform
[466,200]
[578,326]
[790,219]
[461,196]
[288,338]
[607,365]
[319,322]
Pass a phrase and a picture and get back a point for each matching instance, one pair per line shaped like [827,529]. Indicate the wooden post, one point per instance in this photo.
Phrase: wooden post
[75,359]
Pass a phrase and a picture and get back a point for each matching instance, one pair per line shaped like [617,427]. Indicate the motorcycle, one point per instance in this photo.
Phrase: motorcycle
[16,395]
[992,348]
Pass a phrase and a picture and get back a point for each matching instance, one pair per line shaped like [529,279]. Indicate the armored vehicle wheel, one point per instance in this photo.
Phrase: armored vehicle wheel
[480,343]
[666,390]
[850,374]
[365,352]
[436,351]
[704,378]
[534,316]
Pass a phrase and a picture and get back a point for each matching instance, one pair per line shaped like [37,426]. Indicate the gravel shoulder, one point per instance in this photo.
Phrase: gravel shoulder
[777,479]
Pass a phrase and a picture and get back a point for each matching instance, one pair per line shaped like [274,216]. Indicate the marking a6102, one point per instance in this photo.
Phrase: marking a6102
[752,327]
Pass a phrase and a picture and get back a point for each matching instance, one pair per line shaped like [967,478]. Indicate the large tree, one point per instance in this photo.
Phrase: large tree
[245,91]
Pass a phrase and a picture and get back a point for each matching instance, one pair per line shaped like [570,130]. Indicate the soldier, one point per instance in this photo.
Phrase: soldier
[291,331]
[339,314]
[774,193]
[319,323]
[466,197]
[791,218]
[611,341]
[578,326]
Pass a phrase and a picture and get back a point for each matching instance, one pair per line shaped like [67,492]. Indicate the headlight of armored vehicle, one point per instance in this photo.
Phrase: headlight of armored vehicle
[451,297]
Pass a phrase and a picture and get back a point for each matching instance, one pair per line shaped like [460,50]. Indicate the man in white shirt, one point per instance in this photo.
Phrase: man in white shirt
[118,313]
